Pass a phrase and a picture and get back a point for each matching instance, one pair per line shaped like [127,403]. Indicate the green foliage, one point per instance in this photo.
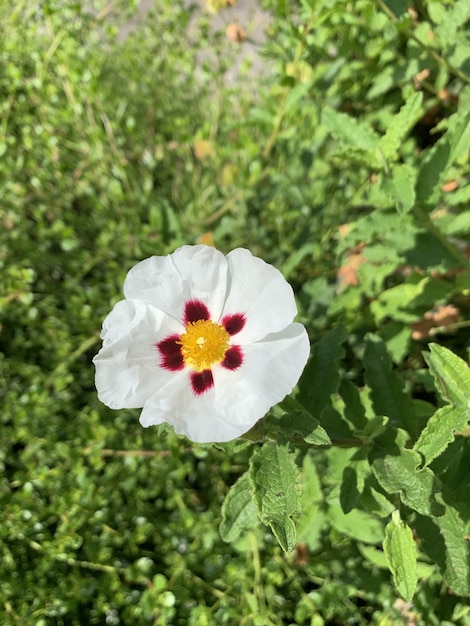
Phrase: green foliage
[400,551]
[347,167]
[273,473]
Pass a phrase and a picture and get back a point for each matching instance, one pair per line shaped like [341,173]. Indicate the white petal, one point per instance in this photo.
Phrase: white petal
[238,398]
[191,272]
[260,291]
[128,368]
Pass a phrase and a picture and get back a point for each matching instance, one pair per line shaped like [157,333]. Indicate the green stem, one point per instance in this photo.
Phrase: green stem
[452,70]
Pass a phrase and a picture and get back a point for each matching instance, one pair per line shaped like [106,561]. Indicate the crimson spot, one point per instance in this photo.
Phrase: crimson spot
[234,323]
[201,382]
[233,358]
[170,351]
[195,310]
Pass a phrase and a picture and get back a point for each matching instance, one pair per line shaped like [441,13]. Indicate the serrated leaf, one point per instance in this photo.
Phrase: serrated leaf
[387,389]
[400,551]
[457,553]
[440,431]
[350,131]
[452,375]
[400,125]
[396,469]
[239,512]
[457,571]
[442,538]
[321,377]
[274,477]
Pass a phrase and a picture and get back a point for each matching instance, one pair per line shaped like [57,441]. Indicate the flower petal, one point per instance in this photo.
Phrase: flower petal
[260,292]
[191,273]
[239,398]
[128,370]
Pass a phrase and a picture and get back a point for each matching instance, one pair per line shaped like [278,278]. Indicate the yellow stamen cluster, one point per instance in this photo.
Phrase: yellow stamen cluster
[203,344]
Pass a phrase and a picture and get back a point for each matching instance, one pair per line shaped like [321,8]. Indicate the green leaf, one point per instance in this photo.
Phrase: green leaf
[442,538]
[400,551]
[354,410]
[349,492]
[452,375]
[290,427]
[400,125]
[396,469]
[356,524]
[457,555]
[353,479]
[402,187]
[449,21]
[443,154]
[387,389]
[239,512]
[274,477]
[321,377]
[350,131]
[440,430]
[311,521]
[300,422]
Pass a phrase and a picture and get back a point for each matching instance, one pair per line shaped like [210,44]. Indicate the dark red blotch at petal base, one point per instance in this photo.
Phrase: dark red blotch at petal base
[195,310]
[201,382]
[170,351]
[233,323]
[233,358]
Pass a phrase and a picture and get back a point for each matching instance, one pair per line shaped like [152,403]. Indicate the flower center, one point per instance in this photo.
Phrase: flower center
[203,344]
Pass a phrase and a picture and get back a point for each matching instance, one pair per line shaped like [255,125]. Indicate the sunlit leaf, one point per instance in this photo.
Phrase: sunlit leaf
[401,124]
[451,373]
[440,431]
[400,551]
[350,131]
[239,512]
[274,477]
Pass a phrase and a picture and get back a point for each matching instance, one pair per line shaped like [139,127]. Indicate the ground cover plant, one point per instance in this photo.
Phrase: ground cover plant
[347,169]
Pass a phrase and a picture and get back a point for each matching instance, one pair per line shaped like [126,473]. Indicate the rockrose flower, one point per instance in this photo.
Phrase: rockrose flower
[203,341]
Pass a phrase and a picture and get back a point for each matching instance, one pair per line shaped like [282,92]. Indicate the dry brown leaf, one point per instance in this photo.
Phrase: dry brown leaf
[451,185]
[235,33]
[207,239]
[420,77]
[343,230]
[347,275]
[439,317]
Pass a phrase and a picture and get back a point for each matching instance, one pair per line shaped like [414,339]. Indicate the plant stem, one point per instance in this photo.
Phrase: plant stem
[452,70]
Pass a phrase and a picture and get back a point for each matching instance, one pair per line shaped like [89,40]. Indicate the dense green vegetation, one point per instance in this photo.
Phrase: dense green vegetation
[348,169]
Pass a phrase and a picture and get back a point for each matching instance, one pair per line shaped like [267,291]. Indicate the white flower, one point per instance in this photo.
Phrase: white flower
[203,341]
